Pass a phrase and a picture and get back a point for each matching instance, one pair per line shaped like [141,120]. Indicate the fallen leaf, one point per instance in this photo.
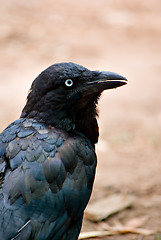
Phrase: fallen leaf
[104,207]
[132,226]
[94,234]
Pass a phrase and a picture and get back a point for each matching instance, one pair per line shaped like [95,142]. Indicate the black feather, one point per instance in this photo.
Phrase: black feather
[47,157]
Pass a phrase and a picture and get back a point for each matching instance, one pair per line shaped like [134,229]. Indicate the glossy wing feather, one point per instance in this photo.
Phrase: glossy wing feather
[46,181]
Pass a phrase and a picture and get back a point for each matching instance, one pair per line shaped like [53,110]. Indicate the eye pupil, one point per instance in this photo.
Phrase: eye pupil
[68,82]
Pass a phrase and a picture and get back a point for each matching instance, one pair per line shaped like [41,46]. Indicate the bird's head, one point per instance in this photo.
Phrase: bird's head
[65,96]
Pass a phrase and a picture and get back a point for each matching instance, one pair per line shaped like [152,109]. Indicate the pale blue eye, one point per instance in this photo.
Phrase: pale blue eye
[69,82]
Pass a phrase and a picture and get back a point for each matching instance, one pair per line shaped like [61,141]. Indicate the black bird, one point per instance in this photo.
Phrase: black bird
[47,157]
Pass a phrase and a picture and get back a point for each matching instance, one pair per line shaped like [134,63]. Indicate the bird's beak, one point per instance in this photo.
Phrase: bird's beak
[104,80]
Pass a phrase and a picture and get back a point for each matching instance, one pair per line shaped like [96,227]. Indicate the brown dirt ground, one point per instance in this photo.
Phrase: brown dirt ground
[122,36]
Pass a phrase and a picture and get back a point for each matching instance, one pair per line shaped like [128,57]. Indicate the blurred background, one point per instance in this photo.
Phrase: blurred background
[121,36]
